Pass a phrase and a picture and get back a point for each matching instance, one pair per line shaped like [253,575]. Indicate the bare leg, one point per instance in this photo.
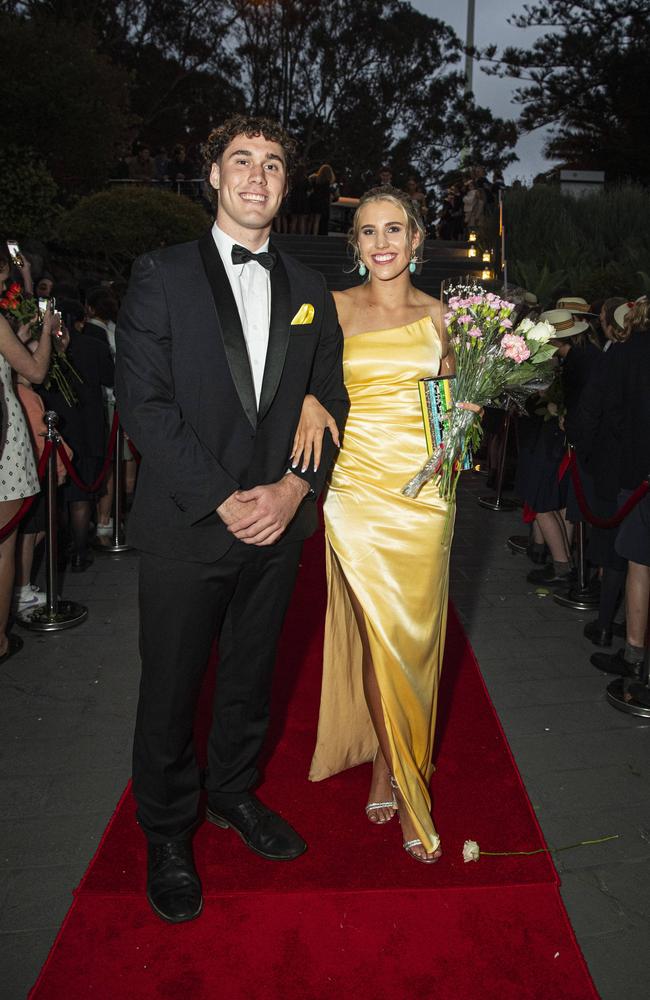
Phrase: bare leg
[552,526]
[105,503]
[380,787]
[8,508]
[637,596]
[25,545]
[538,537]
[130,475]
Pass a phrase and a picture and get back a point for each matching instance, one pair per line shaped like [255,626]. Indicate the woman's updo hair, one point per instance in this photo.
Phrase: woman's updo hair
[638,318]
[386,192]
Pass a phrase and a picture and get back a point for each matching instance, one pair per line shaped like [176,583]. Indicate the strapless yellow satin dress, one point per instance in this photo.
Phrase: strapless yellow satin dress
[392,552]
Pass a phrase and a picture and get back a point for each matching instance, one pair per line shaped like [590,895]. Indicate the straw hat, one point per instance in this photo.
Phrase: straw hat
[530,299]
[565,323]
[573,303]
[620,314]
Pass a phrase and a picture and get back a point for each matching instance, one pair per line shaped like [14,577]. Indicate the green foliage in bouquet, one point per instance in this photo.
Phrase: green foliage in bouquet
[114,227]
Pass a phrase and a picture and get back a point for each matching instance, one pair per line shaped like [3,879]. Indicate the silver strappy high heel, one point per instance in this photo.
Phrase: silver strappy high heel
[409,845]
[374,806]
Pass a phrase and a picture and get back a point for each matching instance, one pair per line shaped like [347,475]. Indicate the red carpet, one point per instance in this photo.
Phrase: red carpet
[354,915]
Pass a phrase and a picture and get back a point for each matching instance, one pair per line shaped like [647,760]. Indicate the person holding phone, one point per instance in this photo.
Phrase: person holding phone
[18,478]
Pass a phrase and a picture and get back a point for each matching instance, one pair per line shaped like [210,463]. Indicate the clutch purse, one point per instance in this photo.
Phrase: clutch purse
[437,400]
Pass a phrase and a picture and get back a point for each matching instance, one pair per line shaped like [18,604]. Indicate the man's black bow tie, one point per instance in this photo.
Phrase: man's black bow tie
[240,255]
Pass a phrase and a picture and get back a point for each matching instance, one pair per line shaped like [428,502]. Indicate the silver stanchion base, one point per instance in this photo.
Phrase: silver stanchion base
[617,697]
[579,600]
[111,549]
[498,503]
[67,615]
[518,544]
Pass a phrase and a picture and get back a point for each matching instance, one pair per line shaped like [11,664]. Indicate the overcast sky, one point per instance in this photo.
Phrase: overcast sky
[491,27]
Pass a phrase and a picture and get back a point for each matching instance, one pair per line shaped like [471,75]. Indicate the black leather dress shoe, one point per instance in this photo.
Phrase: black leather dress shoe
[599,636]
[260,828]
[615,663]
[173,886]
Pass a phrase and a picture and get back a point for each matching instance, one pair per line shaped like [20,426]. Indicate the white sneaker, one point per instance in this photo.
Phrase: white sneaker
[105,529]
[27,598]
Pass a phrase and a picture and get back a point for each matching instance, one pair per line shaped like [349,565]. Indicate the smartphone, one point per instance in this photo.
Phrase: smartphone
[15,254]
[45,305]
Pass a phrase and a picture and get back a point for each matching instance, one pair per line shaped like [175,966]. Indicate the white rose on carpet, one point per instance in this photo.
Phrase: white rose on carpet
[471,851]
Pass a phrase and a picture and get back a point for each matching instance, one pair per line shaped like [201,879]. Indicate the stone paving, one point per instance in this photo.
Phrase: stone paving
[68,703]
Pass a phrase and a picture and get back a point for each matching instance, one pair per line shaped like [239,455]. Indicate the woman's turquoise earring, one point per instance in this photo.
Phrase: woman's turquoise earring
[412,266]
[363,270]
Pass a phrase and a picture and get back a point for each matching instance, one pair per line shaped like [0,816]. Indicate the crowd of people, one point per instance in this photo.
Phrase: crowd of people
[599,406]
[305,211]
[57,350]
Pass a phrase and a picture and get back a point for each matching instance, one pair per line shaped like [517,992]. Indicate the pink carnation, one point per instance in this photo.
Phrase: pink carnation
[465,319]
[506,324]
[514,348]
[474,332]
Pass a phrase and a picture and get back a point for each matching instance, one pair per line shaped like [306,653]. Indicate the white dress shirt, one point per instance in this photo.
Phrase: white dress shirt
[251,286]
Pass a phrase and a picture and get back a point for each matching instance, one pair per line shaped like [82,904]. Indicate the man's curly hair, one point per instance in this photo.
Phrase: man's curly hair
[248,125]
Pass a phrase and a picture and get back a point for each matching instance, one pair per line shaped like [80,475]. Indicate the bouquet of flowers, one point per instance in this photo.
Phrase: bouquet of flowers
[20,309]
[491,358]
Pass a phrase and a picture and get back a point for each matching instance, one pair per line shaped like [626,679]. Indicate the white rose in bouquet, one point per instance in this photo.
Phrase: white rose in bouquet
[525,326]
[540,332]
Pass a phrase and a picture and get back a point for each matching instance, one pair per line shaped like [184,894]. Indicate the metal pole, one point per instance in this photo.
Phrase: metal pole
[118,542]
[54,615]
[580,597]
[469,42]
[497,502]
[469,66]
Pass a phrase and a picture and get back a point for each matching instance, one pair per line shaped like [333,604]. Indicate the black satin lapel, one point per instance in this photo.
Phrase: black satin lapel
[279,331]
[230,326]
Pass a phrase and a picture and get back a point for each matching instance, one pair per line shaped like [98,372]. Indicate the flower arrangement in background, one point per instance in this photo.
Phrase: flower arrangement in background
[492,358]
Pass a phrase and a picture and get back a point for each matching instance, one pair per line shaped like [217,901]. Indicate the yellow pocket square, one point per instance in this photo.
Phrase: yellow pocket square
[304,315]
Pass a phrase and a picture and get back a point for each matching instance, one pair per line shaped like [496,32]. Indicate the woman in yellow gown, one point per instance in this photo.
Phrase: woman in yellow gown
[387,554]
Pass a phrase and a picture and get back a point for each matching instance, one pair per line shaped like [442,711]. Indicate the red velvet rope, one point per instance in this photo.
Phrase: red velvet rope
[70,469]
[602,522]
[10,526]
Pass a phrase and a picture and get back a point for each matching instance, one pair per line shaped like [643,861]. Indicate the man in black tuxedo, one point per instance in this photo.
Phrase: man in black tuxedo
[218,342]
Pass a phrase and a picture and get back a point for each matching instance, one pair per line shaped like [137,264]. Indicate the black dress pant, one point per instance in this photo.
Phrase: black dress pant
[242,598]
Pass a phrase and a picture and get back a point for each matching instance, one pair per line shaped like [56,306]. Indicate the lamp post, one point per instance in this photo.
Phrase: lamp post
[469,42]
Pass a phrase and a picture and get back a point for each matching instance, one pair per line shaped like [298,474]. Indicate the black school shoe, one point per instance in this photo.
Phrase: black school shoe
[547,577]
[615,663]
[599,636]
[173,886]
[260,828]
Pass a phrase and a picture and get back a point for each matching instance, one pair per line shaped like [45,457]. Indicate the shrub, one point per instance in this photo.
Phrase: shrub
[112,228]
[596,246]
[28,194]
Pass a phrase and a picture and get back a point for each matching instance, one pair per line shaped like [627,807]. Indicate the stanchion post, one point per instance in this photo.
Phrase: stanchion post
[55,614]
[579,597]
[498,502]
[118,542]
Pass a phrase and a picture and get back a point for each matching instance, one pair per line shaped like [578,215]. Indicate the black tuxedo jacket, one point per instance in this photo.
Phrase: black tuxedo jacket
[185,394]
